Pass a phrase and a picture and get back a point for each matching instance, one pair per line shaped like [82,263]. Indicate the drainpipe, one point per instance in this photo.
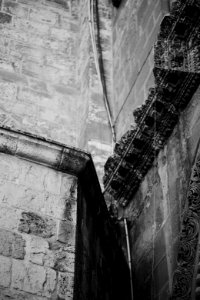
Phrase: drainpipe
[129,257]
[94,48]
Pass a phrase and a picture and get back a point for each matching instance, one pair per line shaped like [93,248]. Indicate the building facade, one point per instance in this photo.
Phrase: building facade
[119,80]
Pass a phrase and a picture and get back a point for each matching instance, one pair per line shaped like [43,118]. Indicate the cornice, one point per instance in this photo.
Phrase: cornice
[177,76]
[57,156]
[42,151]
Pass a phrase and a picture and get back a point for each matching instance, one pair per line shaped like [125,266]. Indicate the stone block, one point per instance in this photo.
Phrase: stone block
[54,206]
[38,248]
[63,35]
[21,196]
[8,294]
[66,232]
[11,76]
[29,278]
[159,9]
[52,182]
[141,11]
[8,91]
[68,187]
[150,26]
[5,271]
[148,14]
[50,283]
[32,223]
[65,286]
[32,69]
[32,175]
[9,217]
[60,260]
[33,279]
[14,8]
[5,18]
[165,6]
[30,52]
[18,245]
[12,244]
[37,258]
[143,75]
[60,4]
[150,82]
[43,16]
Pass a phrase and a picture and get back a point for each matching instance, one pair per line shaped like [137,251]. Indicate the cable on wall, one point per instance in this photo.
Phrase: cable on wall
[98,69]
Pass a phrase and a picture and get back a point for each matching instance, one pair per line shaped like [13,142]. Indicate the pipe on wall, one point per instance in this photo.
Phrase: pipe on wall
[129,257]
[96,59]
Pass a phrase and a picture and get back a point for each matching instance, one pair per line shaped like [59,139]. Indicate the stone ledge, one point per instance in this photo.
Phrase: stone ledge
[42,151]
[57,156]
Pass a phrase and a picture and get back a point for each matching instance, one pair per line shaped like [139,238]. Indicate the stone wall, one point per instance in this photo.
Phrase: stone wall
[39,89]
[155,213]
[37,231]
[57,241]
[95,133]
[135,28]
[48,79]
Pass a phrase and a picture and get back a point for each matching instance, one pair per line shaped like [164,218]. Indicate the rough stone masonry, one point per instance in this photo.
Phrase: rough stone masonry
[37,231]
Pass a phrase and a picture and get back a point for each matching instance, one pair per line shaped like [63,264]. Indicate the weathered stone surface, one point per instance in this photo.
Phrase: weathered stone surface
[5,18]
[32,278]
[12,244]
[32,223]
[50,283]
[65,286]
[64,261]
[25,184]
[37,249]
[22,184]
[18,250]
[135,29]
[66,232]
[9,217]
[5,271]
[8,294]
[41,53]
[95,133]
[61,259]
